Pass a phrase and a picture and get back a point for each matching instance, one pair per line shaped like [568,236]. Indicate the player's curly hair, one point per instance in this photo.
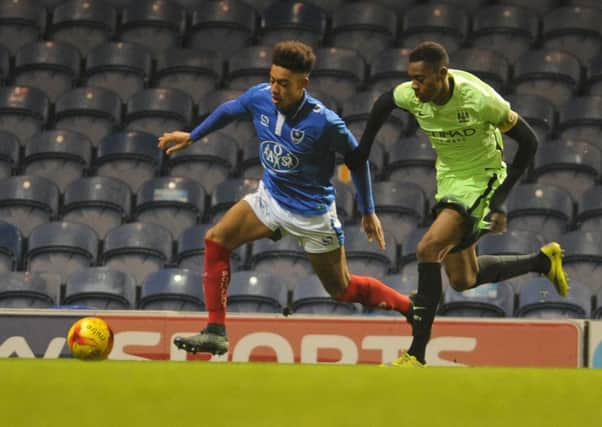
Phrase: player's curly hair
[431,53]
[294,55]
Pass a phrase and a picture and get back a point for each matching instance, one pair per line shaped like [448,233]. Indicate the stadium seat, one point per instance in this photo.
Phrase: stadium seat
[195,72]
[124,68]
[310,297]
[366,27]
[594,76]
[581,118]
[29,290]
[249,66]
[589,210]
[487,64]
[93,111]
[61,247]
[256,292]
[412,159]
[137,248]
[83,23]
[541,208]
[338,71]
[23,110]
[173,289]
[408,264]
[537,111]
[401,284]
[572,165]
[132,157]
[5,73]
[210,161]
[285,259]
[486,300]
[227,193]
[176,203]
[293,20]
[158,110]
[442,23]
[28,201]
[345,202]
[62,156]
[21,22]
[553,74]
[400,207]
[156,24]
[191,250]
[366,258]
[597,313]
[575,29]
[583,257]
[101,288]
[225,26]
[388,69]
[241,130]
[100,202]
[508,29]
[250,162]
[9,154]
[11,247]
[539,299]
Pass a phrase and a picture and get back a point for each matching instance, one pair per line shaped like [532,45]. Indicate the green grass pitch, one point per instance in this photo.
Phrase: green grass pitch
[39,393]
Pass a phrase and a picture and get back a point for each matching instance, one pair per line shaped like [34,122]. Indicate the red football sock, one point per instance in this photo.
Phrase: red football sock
[374,293]
[216,279]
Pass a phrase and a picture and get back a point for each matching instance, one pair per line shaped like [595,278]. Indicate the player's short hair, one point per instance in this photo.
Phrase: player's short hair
[294,55]
[431,53]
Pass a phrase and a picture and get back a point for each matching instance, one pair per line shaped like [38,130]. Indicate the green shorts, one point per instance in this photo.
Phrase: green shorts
[470,197]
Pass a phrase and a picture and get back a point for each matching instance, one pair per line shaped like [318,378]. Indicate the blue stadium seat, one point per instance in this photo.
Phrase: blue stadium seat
[541,208]
[487,300]
[400,206]
[137,248]
[508,29]
[581,118]
[11,247]
[101,288]
[572,165]
[310,297]
[100,202]
[210,161]
[191,250]
[124,68]
[9,153]
[158,110]
[242,129]
[61,156]
[93,111]
[539,299]
[589,210]
[61,247]
[173,289]
[366,258]
[537,111]
[226,26]
[29,290]
[196,72]
[293,20]
[83,23]
[583,257]
[338,71]
[442,23]
[132,157]
[388,69]
[5,74]
[28,201]
[256,292]
[248,67]
[250,162]
[487,64]
[23,110]
[412,159]
[227,193]
[285,259]
[553,74]
[366,27]
[594,76]
[176,203]
[574,29]
[155,24]
[21,22]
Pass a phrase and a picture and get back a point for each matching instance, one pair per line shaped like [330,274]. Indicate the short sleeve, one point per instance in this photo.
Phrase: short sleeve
[494,108]
[402,95]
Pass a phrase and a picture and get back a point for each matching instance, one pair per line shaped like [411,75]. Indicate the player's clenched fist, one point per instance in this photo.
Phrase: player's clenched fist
[174,141]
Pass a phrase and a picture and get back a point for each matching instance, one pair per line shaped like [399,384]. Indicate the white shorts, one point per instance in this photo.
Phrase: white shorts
[316,233]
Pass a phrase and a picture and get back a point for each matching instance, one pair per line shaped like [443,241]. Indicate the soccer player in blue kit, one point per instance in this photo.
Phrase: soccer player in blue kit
[299,137]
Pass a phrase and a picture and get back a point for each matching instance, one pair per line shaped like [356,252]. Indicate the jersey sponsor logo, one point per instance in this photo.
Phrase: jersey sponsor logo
[451,134]
[264,120]
[297,135]
[277,158]
[463,116]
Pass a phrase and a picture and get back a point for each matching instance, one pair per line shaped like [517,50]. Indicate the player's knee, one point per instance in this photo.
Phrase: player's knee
[462,282]
[429,250]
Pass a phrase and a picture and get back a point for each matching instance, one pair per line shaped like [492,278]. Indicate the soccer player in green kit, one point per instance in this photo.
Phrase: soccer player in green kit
[463,118]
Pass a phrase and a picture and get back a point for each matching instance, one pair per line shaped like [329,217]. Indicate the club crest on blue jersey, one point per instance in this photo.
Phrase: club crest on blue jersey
[297,135]
[277,158]
[265,120]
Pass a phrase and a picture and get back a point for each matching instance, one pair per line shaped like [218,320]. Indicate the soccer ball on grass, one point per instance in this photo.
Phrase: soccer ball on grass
[90,338]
